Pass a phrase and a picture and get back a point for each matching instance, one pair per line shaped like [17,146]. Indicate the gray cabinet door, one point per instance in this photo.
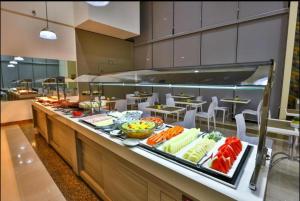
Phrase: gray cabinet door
[262,40]
[187,50]
[163,54]
[215,12]
[162,19]
[252,8]
[187,16]
[219,45]
[146,22]
[143,57]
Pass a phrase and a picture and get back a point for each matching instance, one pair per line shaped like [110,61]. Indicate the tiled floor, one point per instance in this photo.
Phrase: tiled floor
[23,177]
[283,182]
[72,187]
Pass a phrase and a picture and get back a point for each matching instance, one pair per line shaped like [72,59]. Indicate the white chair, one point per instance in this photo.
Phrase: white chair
[254,112]
[208,115]
[121,105]
[130,100]
[217,108]
[189,119]
[241,132]
[150,100]
[170,102]
[142,106]
[168,95]
[155,98]
[199,98]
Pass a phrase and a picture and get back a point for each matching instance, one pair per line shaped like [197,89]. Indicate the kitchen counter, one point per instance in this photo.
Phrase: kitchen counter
[155,178]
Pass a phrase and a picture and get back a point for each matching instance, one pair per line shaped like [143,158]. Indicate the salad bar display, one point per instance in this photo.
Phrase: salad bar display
[210,154]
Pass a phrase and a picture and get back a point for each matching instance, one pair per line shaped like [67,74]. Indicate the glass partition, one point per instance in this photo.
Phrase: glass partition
[23,77]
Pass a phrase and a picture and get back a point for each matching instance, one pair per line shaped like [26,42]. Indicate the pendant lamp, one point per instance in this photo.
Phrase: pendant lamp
[46,33]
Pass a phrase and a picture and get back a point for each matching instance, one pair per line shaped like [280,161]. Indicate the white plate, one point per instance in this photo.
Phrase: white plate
[115,133]
[131,142]
[235,163]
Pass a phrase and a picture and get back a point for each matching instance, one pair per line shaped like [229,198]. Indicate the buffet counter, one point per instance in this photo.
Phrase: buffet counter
[119,173]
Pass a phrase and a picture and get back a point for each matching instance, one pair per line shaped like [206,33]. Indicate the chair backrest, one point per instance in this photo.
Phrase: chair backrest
[211,109]
[170,102]
[130,101]
[150,100]
[189,119]
[240,126]
[168,95]
[259,111]
[143,105]
[214,99]
[155,98]
[121,105]
[199,98]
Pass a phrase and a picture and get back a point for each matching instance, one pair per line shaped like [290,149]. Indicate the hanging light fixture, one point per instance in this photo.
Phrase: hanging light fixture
[46,33]
[98,3]
[18,58]
[13,62]
[10,66]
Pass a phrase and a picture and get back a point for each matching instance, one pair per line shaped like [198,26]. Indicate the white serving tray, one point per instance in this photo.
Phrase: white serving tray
[191,145]
[144,142]
[235,164]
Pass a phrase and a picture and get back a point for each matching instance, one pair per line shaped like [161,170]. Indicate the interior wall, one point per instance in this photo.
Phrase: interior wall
[179,34]
[97,53]
[20,37]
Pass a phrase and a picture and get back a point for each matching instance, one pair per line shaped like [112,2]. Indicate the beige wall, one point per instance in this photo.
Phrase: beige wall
[99,53]
[120,19]
[20,37]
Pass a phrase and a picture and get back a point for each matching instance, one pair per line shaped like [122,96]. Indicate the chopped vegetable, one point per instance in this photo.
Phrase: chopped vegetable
[164,135]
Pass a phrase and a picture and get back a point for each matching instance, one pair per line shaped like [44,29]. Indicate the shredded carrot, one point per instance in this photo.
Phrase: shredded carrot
[165,135]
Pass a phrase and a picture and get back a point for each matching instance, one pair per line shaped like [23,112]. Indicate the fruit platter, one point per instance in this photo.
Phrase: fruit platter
[226,156]
[210,154]
[138,129]
[157,120]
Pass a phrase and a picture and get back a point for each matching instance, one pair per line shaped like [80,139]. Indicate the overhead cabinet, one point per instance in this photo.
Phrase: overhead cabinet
[216,12]
[146,22]
[163,54]
[219,45]
[262,39]
[187,50]
[187,16]
[252,8]
[143,57]
[162,19]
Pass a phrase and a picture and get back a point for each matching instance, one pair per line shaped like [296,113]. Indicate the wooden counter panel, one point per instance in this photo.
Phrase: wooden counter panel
[62,138]
[41,123]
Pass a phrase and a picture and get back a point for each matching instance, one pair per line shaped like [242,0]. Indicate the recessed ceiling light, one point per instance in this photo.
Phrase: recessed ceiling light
[18,58]
[98,3]
[13,62]
[10,65]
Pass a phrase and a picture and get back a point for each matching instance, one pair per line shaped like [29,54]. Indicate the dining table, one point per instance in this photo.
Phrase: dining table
[284,127]
[165,110]
[191,103]
[235,101]
[182,96]
[292,112]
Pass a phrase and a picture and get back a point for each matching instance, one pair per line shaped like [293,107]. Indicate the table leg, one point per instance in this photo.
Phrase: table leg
[234,109]
[177,116]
